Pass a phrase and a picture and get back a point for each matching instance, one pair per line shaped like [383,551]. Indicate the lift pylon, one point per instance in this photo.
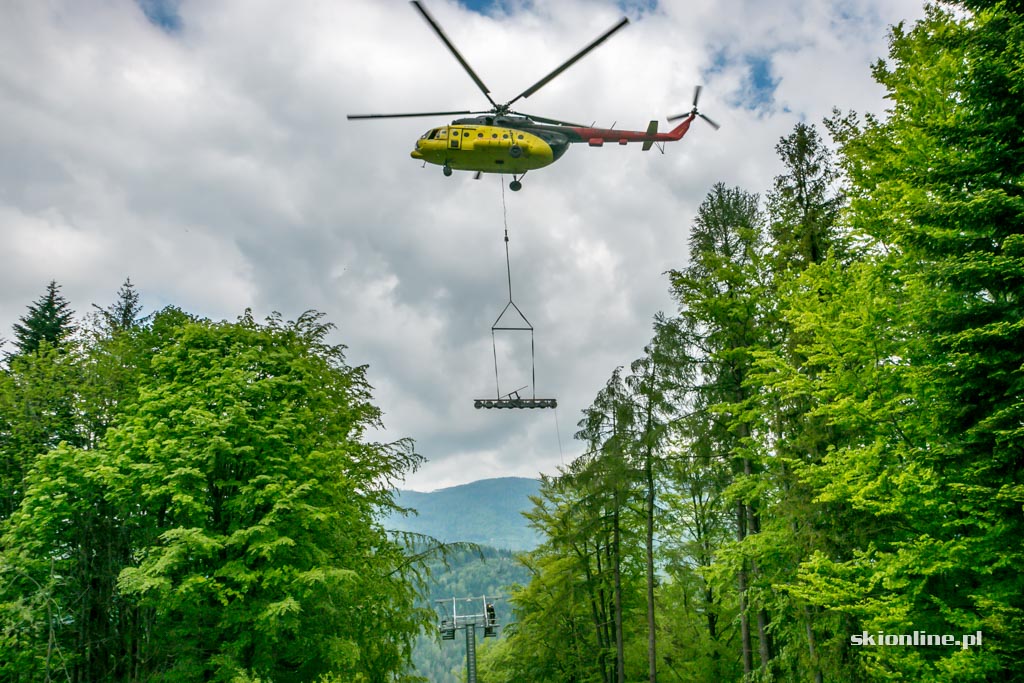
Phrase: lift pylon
[467,614]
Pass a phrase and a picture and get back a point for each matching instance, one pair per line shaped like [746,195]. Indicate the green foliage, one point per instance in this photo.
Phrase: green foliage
[247,442]
[844,449]
[936,393]
[38,411]
[700,606]
[565,618]
[804,203]
[222,522]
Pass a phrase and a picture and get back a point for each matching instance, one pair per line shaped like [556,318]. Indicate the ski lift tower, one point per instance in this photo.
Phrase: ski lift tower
[467,614]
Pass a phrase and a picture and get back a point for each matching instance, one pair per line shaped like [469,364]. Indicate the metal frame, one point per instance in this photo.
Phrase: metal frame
[468,622]
[513,399]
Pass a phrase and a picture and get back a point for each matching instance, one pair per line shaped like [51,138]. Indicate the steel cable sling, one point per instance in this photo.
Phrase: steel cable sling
[513,399]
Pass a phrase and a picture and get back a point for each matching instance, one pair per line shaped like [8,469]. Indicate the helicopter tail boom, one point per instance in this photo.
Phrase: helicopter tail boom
[679,131]
[596,137]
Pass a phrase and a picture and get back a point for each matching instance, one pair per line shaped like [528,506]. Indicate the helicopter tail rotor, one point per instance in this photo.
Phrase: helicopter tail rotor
[693,112]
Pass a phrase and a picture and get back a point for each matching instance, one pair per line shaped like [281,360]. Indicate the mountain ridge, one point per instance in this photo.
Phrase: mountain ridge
[486,511]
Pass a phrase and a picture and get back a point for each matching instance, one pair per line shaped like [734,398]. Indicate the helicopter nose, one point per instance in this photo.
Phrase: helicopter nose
[415,154]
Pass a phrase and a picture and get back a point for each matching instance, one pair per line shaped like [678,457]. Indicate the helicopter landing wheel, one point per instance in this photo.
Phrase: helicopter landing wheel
[515,186]
[447,170]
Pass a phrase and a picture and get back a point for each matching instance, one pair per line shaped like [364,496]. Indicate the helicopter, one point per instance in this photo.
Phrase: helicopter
[501,140]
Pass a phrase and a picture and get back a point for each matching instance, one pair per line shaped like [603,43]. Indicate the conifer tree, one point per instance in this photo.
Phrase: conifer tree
[804,231]
[38,393]
[606,472]
[804,203]
[124,313]
[720,295]
[49,319]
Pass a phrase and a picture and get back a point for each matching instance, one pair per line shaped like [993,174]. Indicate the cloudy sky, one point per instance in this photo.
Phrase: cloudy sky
[201,148]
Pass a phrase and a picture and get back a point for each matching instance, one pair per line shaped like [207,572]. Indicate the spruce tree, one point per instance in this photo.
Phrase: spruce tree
[49,319]
[123,314]
[720,295]
[804,203]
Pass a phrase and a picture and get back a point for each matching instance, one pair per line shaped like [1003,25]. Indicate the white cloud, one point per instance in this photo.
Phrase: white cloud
[214,165]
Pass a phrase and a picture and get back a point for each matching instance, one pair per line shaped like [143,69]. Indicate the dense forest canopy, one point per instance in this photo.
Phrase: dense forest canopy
[825,437]
[186,500]
[819,449]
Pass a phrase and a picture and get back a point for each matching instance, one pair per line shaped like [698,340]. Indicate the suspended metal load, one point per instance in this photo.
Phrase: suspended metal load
[513,398]
[515,403]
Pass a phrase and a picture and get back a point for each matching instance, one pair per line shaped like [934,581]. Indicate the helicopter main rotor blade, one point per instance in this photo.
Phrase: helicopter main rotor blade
[572,60]
[404,116]
[544,119]
[451,48]
[696,95]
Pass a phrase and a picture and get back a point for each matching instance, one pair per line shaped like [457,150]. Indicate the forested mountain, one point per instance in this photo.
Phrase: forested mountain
[488,512]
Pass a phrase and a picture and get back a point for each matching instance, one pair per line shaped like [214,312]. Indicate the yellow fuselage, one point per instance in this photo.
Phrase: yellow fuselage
[491,149]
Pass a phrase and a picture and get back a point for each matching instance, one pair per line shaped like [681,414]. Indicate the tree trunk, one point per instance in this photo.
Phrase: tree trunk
[620,655]
[763,638]
[741,580]
[811,646]
[595,595]
[652,651]
[754,527]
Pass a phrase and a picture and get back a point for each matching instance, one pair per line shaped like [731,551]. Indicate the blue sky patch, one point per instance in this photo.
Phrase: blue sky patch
[162,14]
[491,7]
[759,82]
[638,7]
[486,7]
